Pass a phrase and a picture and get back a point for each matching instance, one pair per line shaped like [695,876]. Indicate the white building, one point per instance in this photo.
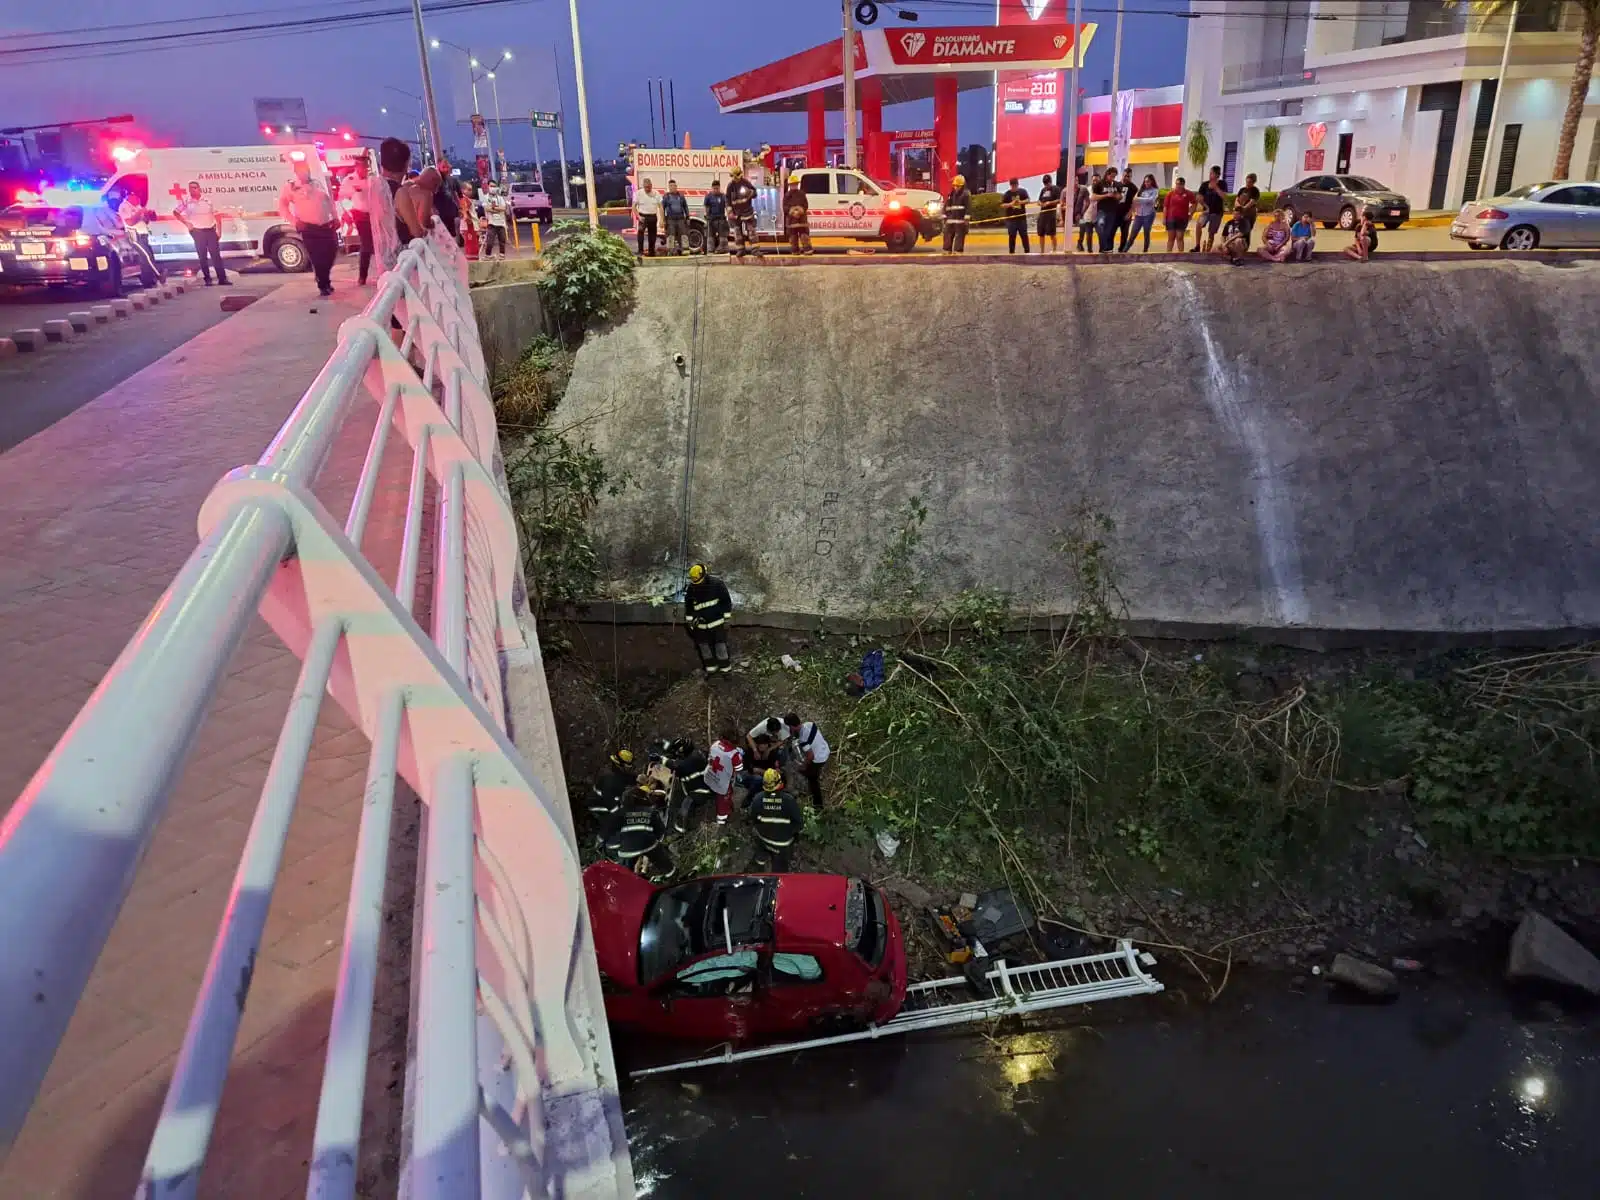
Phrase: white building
[1399,91]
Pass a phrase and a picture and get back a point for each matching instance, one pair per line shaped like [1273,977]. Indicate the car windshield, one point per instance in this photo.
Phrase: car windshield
[686,921]
[1360,183]
[60,220]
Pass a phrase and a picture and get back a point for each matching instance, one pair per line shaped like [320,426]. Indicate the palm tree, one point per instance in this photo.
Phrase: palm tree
[1271,136]
[1198,146]
[1487,10]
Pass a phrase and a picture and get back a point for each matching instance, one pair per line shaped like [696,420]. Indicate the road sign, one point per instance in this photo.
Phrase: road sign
[280,111]
[545,120]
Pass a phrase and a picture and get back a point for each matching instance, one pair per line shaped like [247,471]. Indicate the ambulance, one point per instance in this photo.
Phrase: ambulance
[242,182]
[843,202]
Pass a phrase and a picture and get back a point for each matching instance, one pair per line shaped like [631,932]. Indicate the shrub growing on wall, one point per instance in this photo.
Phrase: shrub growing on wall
[590,278]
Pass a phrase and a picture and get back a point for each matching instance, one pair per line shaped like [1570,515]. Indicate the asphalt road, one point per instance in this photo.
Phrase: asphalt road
[28,307]
[38,389]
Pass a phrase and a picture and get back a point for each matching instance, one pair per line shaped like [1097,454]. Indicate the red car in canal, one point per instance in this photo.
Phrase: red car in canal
[741,957]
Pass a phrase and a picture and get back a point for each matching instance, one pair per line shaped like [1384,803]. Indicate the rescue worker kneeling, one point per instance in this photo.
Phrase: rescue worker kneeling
[610,786]
[690,789]
[778,821]
[636,838]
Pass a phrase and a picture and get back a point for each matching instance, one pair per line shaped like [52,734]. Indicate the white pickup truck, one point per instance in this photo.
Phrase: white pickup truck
[845,203]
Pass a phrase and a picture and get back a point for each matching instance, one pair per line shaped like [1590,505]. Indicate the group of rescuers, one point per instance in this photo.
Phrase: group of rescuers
[730,217]
[635,810]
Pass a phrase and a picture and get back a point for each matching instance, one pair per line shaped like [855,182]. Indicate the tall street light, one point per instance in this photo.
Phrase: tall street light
[475,72]
[583,118]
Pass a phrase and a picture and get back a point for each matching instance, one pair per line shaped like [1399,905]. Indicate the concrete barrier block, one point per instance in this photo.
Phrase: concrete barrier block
[139,301]
[178,285]
[121,308]
[28,339]
[7,347]
[59,330]
[101,313]
[168,291]
[81,321]
[152,296]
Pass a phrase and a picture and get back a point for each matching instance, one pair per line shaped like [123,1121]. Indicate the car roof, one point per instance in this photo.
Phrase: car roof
[810,909]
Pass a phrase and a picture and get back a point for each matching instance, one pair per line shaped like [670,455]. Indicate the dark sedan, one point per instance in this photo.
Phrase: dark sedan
[1337,199]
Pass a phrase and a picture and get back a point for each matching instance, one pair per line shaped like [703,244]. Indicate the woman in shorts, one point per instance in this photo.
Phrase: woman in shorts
[1176,213]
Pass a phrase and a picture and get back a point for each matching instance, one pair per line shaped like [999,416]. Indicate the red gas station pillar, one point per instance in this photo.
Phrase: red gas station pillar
[946,143]
[816,130]
[877,146]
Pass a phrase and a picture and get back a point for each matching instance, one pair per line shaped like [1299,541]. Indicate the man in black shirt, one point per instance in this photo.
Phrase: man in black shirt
[1108,212]
[1247,207]
[1213,199]
[1049,202]
[1125,207]
[1014,203]
[716,219]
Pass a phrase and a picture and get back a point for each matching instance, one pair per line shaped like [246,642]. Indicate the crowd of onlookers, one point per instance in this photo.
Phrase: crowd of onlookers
[1112,213]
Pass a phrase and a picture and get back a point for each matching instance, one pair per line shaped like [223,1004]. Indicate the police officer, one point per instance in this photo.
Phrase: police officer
[707,609]
[955,216]
[307,204]
[742,213]
[778,820]
[636,839]
[797,217]
[716,208]
[605,800]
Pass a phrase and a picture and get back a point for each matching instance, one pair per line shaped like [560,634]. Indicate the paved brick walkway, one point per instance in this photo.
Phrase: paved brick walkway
[99,515]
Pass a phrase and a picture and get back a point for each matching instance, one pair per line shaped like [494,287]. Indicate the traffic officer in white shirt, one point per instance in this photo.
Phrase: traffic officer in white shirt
[199,217]
[810,749]
[135,218]
[356,190]
[306,202]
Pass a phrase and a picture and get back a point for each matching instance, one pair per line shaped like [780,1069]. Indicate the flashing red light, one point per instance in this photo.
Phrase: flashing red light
[1493,214]
[123,154]
[347,136]
[267,129]
[25,196]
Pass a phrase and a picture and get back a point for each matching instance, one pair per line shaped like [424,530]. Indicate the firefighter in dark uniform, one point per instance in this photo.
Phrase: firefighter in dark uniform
[955,216]
[605,800]
[707,609]
[778,821]
[741,214]
[690,789]
[636,838]
[797,217]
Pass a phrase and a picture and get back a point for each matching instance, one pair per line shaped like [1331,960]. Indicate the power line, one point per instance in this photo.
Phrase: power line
[244,12]
[269,29]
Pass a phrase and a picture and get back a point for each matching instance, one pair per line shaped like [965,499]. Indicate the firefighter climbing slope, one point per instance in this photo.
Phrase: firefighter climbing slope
[707,609]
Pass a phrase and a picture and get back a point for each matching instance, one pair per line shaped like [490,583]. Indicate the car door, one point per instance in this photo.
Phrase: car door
[795,992]
[712,998]
[1561,218]
[1586,220]
[860,203]
[1297,196]
[818,187]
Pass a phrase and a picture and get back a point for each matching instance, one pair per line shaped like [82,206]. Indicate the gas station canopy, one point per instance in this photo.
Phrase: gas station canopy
[906,63]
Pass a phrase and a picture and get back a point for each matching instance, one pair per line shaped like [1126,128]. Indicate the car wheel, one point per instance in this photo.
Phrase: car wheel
[1523,237]
[289,254]
[697,240]
[1347,217]
[1391,224]
[111,286]
[901,239]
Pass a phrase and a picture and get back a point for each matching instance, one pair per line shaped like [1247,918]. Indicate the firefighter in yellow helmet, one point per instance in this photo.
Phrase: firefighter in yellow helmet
[956,204]
[778,821]
[741,214]
[605,800]
[797,217]
[637,836]
[707,612]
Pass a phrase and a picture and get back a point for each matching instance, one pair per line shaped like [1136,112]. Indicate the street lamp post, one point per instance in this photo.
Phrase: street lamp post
[561,131]
[583,119]
[473,76]
[429,107]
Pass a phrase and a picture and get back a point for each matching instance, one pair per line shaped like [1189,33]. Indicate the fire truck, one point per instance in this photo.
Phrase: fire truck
[843,202]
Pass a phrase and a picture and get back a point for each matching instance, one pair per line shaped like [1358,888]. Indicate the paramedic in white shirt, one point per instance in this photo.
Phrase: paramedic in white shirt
[307,203]
[647,218]
[811,750]
[356,190]
[199,217]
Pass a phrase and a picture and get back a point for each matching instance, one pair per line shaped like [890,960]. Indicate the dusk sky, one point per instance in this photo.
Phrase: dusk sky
[202,94]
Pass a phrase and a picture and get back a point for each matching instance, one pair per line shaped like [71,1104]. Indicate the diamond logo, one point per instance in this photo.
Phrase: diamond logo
[913,42]
[1036,8]
[1060,40]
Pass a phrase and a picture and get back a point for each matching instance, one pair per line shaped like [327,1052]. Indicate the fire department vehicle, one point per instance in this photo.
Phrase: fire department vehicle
[843,202]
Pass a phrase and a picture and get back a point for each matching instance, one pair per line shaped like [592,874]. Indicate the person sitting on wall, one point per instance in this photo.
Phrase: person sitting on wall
[1302,238]
[1366,239]
[1275,239]
[1233,242]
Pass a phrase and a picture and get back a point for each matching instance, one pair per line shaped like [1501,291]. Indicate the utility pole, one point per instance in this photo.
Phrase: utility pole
[1072,100]
[650,103]
[1116,62]
[561,130]
[583,117]
[849,84]
[1494,111]
[431,110]
[672,88]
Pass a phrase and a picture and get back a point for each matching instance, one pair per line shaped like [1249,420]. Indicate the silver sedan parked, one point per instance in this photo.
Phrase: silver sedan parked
[1552,215]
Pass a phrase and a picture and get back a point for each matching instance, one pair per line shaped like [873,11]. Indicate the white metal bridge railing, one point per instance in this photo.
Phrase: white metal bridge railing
[503,932]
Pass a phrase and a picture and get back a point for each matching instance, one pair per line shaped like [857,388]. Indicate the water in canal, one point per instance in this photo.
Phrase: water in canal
[1454,1092]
